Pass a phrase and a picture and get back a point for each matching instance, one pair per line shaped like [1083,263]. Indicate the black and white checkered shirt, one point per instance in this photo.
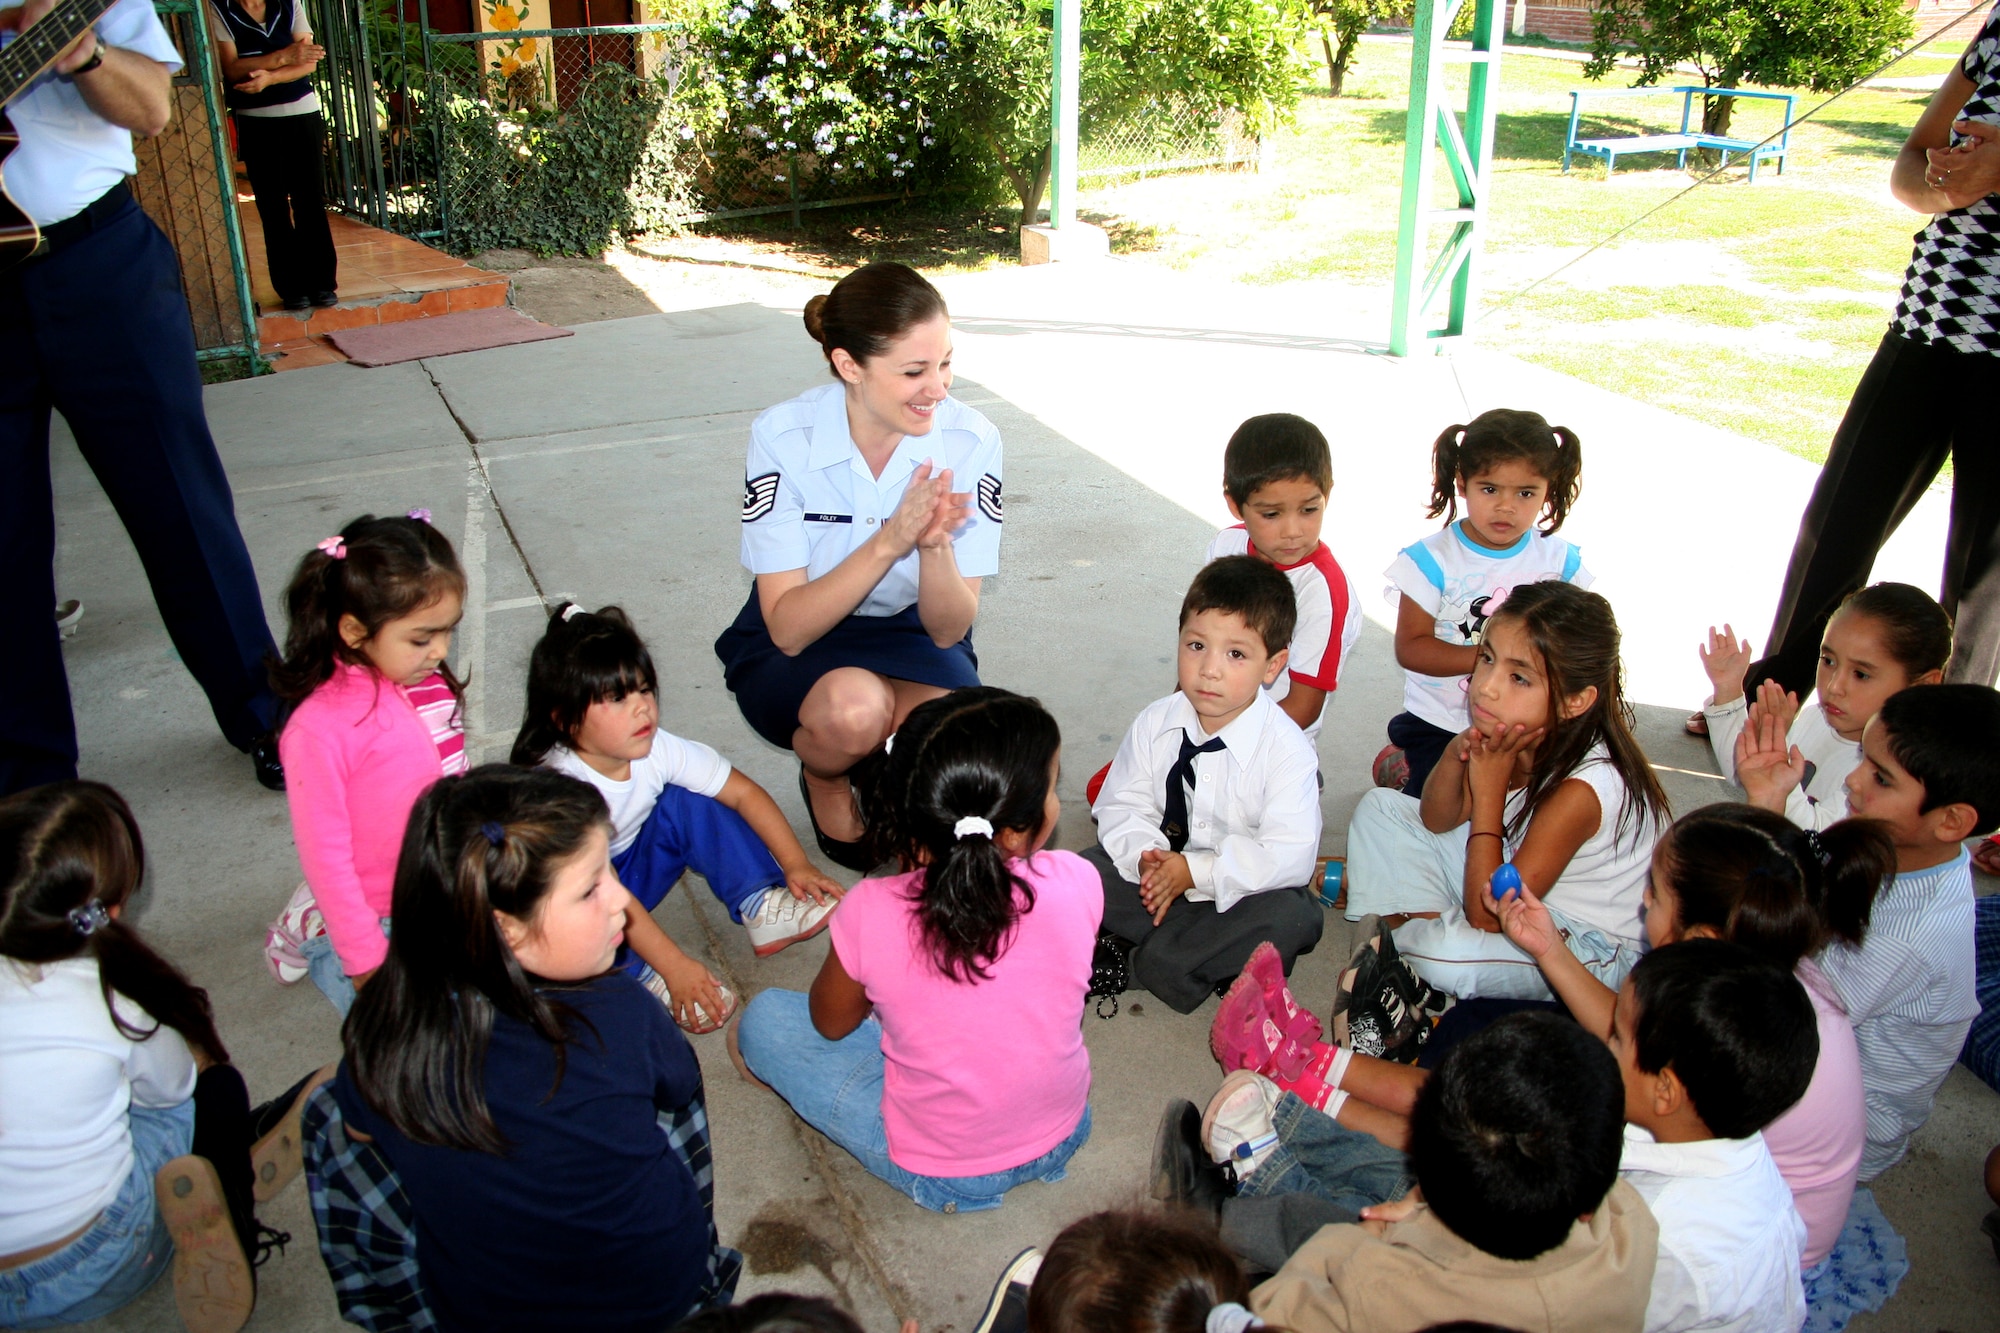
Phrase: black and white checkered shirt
[1951,294]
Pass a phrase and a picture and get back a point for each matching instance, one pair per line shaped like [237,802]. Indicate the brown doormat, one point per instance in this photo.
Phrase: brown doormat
[441,335]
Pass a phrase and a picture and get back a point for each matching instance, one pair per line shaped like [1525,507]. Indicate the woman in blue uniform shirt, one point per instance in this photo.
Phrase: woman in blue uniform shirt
[871,512]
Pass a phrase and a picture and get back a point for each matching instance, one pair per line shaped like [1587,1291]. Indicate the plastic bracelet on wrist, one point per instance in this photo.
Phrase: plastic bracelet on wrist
[1483,833]
[96,59]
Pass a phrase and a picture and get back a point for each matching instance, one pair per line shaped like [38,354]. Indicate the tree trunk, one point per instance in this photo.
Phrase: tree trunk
[1335,73]
[1344,58]
[1715,114]
[1031,181]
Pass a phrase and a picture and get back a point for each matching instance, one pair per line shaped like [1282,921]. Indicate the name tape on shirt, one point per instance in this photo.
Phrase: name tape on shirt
[828,518]
[989,496]
[760,496]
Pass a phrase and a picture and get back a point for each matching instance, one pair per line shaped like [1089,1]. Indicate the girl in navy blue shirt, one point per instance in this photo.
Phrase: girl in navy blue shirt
[521,1090]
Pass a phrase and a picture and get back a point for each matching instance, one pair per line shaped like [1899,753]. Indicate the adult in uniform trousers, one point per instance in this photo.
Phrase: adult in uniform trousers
[867,559]
[95,326]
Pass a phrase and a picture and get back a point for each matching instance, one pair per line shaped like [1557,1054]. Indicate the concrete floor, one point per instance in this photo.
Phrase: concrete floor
[607,467]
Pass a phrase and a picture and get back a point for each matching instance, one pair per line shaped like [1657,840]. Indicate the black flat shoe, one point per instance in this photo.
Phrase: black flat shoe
[322,300]
[852,855]
[264,761]
[1183,1174]
[298,303]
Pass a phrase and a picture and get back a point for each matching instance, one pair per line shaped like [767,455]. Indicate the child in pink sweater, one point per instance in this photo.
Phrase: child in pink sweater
[375,720]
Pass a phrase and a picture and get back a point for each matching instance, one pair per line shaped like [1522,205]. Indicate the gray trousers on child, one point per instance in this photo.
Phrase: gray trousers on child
[1195,948]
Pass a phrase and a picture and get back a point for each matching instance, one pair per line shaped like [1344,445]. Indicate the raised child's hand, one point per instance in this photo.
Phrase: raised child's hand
[1163,877]
[1727,661]
[1774,701]
[809,881]
[689,984]
[1766,767]
[1526,921]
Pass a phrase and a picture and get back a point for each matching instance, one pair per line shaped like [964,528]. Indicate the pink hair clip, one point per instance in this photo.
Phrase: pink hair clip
[421,515]
[335,547]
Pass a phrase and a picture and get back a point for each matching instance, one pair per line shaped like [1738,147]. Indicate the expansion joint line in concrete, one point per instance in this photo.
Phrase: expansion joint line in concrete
[486,479]
[819,1150]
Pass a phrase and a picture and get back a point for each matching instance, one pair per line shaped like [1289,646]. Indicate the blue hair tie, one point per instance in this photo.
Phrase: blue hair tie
[495,832]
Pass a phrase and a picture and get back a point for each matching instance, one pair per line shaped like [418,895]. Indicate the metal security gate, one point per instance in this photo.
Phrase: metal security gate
[186,180]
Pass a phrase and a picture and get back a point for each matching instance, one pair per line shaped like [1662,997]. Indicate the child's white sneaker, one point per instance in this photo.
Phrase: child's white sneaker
[775,919]
[1238,1127]
[285,939]
[702,1021]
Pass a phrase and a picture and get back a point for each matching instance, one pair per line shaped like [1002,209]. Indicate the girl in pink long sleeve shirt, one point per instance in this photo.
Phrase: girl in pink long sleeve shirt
[376,720]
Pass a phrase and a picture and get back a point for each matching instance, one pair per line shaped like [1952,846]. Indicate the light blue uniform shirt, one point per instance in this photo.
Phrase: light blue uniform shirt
[809,500]
[69,154]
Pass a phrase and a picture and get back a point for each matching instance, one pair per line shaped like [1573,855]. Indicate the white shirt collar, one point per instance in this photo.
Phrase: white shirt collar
[832,444]
[1239,739]
[1710,1158]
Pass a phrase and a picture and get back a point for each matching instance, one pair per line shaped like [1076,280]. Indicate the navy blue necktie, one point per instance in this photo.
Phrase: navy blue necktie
[1180,781]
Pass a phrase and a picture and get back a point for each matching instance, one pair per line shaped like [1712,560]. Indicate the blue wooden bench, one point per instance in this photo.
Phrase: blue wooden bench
[1690,136]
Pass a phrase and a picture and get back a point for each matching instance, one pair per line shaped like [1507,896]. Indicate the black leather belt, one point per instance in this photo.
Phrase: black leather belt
[61,235]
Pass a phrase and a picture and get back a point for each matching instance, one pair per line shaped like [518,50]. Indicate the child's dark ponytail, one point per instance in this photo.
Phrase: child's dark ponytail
[70,854]
[1753,877]
[376,570]
[962,770]
[1507,435]
[1444,474]
[584,657]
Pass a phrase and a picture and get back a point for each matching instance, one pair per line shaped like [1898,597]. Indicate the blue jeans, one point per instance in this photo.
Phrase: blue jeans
[324,967]
[836,1087]
[1318,1155]
[689,831]
[124,1251]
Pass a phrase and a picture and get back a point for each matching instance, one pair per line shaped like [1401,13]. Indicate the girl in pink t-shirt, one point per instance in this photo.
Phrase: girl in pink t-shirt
[942,1041]
[376,718]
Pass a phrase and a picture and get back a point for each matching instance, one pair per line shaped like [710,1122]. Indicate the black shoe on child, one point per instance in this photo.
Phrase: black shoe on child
[321,300]
[1383,1008]
[295,304]
[1007,1308]
[1183,1172]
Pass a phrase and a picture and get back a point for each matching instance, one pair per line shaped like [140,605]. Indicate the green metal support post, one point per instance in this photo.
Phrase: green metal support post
[1467,146]
[1065,93]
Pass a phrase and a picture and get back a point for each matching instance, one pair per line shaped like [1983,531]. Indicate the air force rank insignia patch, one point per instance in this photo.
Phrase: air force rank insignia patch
[989,497]
[760,494]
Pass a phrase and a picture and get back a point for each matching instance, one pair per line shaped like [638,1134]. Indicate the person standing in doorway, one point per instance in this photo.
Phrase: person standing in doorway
[267,52]
[95,326]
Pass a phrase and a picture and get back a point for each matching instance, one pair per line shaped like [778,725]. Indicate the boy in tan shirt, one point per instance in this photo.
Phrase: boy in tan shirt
[1519,1218]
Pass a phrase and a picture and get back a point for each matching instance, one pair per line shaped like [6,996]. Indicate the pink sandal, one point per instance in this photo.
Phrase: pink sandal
[1258,1025]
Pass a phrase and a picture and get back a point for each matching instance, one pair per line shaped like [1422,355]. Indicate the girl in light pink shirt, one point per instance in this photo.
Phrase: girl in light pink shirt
[376,718]
[942,1041]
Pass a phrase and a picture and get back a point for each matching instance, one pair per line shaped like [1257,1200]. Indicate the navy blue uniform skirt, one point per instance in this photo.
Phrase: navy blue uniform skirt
[770,686]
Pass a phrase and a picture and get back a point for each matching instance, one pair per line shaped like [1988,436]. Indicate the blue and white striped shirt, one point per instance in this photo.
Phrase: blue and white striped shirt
[1910,992]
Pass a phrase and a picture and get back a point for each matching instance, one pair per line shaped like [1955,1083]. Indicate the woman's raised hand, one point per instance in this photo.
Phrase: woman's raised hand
[917,512]
[953,509]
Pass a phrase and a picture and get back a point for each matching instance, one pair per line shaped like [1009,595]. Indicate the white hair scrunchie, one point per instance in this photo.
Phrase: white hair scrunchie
[972,824]
[1229,1317]
[569,612]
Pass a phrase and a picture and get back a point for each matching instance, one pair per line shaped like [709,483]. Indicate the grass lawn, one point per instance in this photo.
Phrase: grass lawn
[1752,307]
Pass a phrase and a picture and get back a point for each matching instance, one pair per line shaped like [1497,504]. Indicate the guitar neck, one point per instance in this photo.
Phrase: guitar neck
[23,59]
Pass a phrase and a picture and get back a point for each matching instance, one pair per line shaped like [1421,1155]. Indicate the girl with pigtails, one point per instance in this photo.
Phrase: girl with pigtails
[1517,477]
[941,1043]
[376,717]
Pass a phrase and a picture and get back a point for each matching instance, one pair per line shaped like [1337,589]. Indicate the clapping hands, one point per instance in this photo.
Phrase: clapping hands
[929,513]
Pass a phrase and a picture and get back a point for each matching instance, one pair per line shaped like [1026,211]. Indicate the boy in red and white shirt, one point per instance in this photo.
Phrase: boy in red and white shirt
[1276,474]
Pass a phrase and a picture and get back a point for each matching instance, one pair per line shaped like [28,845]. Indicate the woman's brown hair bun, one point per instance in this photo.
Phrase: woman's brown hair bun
[871,308]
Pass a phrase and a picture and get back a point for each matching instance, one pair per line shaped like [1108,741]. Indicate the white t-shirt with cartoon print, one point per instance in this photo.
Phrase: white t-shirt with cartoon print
[1459,583]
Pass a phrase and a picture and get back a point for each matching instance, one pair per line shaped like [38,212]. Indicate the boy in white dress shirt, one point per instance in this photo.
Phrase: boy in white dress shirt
[1208,823]
[1715,1044]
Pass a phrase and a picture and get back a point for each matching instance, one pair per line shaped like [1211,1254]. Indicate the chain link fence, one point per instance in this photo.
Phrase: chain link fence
[1162,137]
[565,139]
